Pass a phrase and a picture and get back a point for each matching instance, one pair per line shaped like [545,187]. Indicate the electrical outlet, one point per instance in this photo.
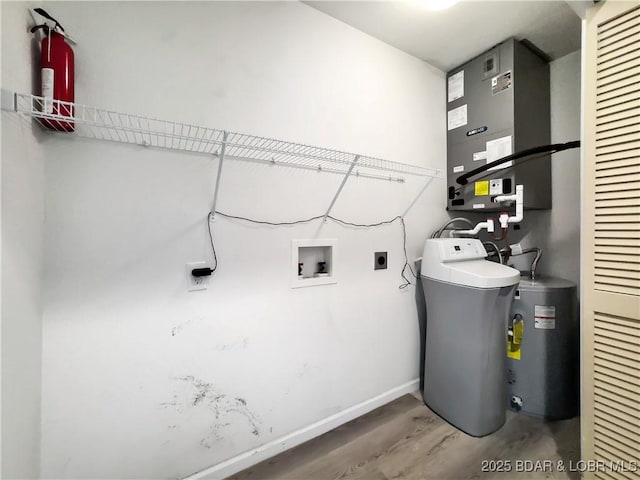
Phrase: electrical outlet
[196,283]
[380,261]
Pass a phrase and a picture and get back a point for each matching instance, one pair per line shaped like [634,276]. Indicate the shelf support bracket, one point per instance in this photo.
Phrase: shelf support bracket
[344,180]
[424,189]
[220,162]
[8,101]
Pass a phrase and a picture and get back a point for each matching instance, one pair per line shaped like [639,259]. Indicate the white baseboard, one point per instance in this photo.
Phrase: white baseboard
[257,455]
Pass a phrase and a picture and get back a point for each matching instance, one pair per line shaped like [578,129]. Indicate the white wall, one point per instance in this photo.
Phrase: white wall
[22,259]
[144,380]
[557,231]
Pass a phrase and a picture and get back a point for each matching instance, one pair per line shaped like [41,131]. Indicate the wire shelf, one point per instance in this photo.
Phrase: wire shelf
[96,123]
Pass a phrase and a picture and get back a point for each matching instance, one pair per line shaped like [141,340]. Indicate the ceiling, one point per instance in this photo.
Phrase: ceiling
[448,38]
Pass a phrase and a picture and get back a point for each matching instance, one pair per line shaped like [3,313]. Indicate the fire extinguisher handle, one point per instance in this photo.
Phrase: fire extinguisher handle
[38,27]
[42,12]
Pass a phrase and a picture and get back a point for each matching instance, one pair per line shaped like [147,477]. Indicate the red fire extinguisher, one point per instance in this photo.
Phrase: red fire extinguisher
[57,75]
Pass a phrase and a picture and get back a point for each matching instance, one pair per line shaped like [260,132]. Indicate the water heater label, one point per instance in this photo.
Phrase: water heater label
[545,317]
[455,85]
[458,169]
[501,83]
[457,117]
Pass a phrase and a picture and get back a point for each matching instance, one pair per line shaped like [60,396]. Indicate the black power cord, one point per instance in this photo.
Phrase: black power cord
[311,219]
[213,249]
[206,271]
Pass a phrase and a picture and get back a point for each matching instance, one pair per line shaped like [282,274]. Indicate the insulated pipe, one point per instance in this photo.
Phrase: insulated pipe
[438,233]
[554,148]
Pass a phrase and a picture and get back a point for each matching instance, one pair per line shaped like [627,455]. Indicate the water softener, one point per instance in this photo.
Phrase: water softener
[468,301]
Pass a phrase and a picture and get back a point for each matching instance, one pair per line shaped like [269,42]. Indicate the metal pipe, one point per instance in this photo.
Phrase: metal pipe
[534,264]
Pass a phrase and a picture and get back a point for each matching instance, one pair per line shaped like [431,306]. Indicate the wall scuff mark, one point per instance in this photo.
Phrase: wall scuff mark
[239,345]
[178,328]
[201,394]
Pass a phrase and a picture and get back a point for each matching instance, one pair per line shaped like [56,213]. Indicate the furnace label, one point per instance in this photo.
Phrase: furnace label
[501,82]
[456,86]
[497,149]
[457,117]
[477,156]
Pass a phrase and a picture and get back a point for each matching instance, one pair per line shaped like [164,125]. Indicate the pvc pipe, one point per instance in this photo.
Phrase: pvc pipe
[505,220]
[505,198]
[519,205]
[488,225]
[519,199]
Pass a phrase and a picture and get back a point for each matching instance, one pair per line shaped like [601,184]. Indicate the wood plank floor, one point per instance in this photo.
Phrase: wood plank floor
[406,440]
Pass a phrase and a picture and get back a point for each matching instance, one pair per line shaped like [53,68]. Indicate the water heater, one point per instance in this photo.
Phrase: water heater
[497,104]
[543,367]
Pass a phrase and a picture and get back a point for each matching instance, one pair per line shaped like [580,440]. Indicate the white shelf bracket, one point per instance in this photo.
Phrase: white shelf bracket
[223,149]
[424,189]
[8,100]
[344,180]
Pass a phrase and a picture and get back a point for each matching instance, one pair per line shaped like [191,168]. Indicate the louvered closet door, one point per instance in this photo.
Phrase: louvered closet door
[611,241]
